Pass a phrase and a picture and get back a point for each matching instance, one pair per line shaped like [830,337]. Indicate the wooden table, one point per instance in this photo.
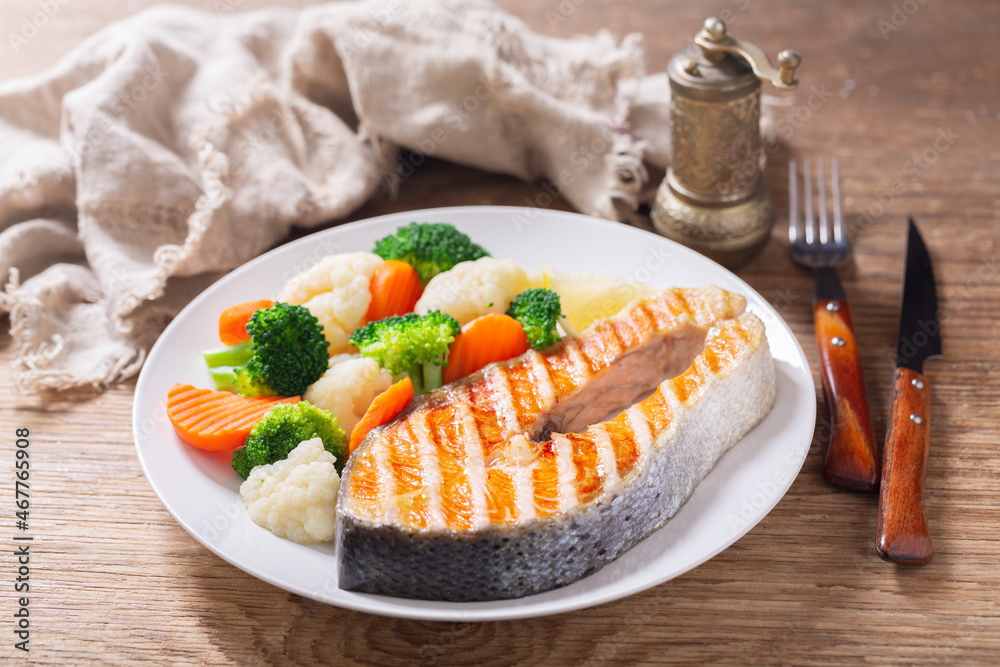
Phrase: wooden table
[115,578]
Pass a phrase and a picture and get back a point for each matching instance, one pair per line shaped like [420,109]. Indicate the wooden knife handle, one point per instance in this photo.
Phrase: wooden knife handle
[902,535]
[852,456]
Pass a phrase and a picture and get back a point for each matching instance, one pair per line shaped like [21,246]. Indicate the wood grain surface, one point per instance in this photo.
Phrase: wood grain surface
[907,94]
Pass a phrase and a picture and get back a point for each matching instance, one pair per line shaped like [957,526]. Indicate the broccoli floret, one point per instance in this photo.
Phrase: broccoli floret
[537,309]
[286,352]
[429,247]
[281,430]
[410,345]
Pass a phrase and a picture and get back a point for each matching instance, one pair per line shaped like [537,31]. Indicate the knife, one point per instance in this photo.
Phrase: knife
[901,534]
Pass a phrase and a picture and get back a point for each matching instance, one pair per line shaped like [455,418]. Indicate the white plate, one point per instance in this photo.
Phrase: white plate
[202,492]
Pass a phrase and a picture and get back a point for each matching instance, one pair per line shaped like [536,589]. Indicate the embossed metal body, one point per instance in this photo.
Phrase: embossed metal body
[713,198]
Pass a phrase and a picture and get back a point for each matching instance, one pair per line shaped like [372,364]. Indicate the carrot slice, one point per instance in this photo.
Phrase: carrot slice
[488,338]
[216,420]
[395,287]
[233,320]
[386,405]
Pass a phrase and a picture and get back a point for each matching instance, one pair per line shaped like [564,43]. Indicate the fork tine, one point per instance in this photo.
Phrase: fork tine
[808,221]
[794,223]
[838,211]
[821,203]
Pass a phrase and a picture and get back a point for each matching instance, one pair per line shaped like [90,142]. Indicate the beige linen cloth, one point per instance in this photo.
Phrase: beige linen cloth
[178,144]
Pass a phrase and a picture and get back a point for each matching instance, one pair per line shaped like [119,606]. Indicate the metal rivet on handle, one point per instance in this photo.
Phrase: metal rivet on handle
[915,418]
[833,306]
[838,341]
[918,383]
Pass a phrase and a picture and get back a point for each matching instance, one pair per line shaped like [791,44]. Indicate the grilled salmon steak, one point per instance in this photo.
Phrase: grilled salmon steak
[539,470]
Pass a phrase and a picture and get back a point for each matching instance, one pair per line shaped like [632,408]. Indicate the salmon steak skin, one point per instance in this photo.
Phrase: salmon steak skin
[537,471]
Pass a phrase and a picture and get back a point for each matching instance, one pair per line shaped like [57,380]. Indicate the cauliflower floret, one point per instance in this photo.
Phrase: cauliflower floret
[296,497]
[336,291]
[348,388]
[471,289]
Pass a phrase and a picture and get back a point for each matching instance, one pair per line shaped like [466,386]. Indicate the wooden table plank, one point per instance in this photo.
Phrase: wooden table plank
[116,579]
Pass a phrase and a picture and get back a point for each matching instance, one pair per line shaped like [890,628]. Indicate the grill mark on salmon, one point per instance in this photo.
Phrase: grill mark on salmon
[430,472]
[477,397]
[502,401]
[624,443]
[544,389]
[408,484]
[475,462]
[460,463]
[501,497]
[368,488]
[656,410]
[578,366]
[545,480]
[589,471]
[606,452]
[631,330]
[445,429]
[602,348]
[564,463]
[524,396]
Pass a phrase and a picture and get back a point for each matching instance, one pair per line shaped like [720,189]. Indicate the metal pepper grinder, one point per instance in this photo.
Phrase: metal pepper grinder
[714,198]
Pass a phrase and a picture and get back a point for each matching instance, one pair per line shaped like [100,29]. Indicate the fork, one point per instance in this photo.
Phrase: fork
[852,456]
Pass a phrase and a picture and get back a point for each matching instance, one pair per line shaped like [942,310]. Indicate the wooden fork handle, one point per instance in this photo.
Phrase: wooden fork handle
[902,535]
[852,456]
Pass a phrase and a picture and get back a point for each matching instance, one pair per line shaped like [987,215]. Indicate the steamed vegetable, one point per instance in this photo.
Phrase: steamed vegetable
[282,429]
[410,345]
[395,287]
[297,496]
[216,420]
[488,338]
[336,290]
[471,289]
[348,387]
[233,320]
[429,247]
[386,406]
[286,352]
[538,310]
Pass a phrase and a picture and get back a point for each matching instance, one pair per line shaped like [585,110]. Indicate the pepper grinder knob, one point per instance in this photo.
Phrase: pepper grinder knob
[715,28]
[715,43]
[788,61]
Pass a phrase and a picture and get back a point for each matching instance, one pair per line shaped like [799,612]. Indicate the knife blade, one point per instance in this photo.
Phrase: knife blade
[902,535]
